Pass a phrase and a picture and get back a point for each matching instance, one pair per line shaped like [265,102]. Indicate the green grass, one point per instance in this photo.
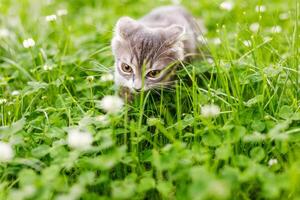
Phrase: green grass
[160,146]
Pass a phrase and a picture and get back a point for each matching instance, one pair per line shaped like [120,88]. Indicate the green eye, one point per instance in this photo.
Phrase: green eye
[153,73]
[126,68]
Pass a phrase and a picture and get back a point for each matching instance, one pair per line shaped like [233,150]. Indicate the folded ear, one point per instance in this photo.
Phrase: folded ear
[125,27]
[175,32]
[175,36]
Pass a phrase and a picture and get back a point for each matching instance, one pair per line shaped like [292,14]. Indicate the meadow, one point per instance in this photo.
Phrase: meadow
[229,128]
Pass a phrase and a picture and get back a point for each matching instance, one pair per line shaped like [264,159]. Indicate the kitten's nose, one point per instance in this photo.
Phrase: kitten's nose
[137,85]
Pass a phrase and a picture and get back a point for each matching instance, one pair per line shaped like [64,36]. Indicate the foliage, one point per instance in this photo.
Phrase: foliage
[162,145]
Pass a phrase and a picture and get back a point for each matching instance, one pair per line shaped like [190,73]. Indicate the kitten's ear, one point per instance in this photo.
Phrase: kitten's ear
[175,32]
[125,27]
[175,35]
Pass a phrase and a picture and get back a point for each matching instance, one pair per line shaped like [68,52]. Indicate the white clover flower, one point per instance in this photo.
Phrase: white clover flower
[218,189]
[260,8]
[216,41]
[276,29]
[107,77]
[15,93]
[47,67]
[226,5]
[90,78]
[284,16]
[28,43]
[176,2]
[51,18]
[255,136]
[211,110]
[29,190]
[254,27]
[6,152]
[3,101]
[202,39]
[4,33]
[62,12]
[210,60]
[272,161]
[111,104]
[78,139]
[267,39]
[103,119]
[71,78]
[247,43]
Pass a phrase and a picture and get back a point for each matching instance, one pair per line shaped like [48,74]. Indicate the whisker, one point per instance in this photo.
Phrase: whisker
[156,91]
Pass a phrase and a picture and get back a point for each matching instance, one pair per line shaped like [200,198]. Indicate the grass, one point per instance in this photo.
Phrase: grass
[160,146]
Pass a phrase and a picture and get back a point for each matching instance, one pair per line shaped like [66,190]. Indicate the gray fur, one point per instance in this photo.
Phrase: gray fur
[164,36]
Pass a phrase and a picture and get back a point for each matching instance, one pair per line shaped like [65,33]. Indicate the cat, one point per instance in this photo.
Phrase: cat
[147,51]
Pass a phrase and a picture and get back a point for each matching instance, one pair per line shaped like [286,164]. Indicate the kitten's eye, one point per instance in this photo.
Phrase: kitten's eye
[126,68]
[153,73]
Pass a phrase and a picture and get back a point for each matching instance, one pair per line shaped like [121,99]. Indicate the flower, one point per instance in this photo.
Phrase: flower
[247,43]
[103,119]
[107,77]
[28,43]
[70,78]
[47,68]
[216,41]
[255,136]
[260,8]
[4,33]
[267,39]
[51,18]
[62,12]
[3,101]
[284,16]
[6,152]
[111,104]
[226,5]
[276,29]
[218,189]
[254,27]
[201,39]
[29,190]
[90,78]
[176,2]
[210,60]
[15,93]
[210,110]
[78,139]
[272,161]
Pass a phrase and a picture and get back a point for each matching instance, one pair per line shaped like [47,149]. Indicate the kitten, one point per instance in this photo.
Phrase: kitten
[147,50]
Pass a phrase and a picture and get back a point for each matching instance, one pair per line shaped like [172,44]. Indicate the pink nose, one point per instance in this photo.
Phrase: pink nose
[137,86]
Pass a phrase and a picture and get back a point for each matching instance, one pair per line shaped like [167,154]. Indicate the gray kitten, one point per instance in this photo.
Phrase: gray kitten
[147,50]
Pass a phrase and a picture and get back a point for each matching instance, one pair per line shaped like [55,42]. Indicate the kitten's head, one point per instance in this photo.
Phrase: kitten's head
[145,57]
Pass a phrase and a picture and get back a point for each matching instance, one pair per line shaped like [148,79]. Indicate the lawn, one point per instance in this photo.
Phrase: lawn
[229,128]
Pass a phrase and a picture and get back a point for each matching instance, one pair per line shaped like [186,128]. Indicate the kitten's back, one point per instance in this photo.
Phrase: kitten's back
[166,16]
